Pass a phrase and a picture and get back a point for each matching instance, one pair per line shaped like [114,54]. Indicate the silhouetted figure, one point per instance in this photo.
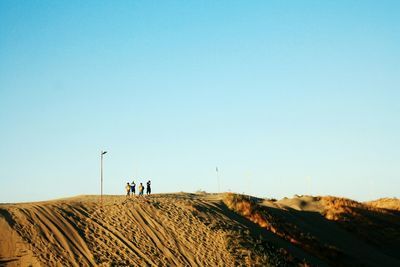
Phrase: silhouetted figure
[133,186]
[148,187]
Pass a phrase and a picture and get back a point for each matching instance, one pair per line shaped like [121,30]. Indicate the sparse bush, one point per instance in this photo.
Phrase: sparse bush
[339,208]
[377,226]
[385,203]
[249,208]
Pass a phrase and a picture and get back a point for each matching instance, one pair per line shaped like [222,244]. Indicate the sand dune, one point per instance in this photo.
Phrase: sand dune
[198,230]
[386,203]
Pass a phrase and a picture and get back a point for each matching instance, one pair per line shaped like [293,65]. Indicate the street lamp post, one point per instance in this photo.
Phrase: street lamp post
[101,175]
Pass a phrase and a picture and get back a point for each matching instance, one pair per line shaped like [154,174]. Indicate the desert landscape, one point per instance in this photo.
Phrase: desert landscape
[187,229]
[269,130]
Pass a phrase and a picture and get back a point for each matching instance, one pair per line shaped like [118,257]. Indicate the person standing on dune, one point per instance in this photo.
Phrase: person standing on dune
[133,185]
[128,189]
[141,189]
[148,188]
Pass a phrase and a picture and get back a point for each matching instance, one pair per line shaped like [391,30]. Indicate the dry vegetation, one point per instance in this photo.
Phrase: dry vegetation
[199,230]
[379,227]
[339,209]
[385,203]
[258,214]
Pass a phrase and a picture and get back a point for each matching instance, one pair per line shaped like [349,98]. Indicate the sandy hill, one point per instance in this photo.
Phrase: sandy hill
[199,230]
[386,203]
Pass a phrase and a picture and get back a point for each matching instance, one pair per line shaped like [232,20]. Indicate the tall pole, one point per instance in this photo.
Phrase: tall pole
[101,176]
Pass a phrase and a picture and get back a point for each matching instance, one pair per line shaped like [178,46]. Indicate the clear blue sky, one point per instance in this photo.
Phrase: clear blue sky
[285,97]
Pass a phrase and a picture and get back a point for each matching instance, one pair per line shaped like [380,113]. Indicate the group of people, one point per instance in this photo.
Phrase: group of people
[131,188]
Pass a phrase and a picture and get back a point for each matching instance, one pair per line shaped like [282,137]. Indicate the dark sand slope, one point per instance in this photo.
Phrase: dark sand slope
[358,234]
[198,230]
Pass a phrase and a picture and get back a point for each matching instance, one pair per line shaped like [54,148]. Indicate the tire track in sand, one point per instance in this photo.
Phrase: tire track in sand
[50,228]
[117,236]
[160,237]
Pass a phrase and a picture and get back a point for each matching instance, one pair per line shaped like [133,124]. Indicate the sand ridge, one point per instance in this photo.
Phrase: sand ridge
[158,231]
[185,229]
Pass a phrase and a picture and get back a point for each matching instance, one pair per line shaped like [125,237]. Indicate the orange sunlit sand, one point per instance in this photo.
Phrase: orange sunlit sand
[185,229]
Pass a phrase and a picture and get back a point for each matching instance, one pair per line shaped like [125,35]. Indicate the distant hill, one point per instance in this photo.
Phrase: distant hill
[186,229]
[385,203]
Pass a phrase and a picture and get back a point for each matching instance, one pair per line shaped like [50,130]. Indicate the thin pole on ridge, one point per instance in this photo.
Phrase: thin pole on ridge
[101,176]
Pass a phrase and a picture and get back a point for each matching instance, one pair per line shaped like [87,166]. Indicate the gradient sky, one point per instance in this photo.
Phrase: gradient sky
[285,97]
